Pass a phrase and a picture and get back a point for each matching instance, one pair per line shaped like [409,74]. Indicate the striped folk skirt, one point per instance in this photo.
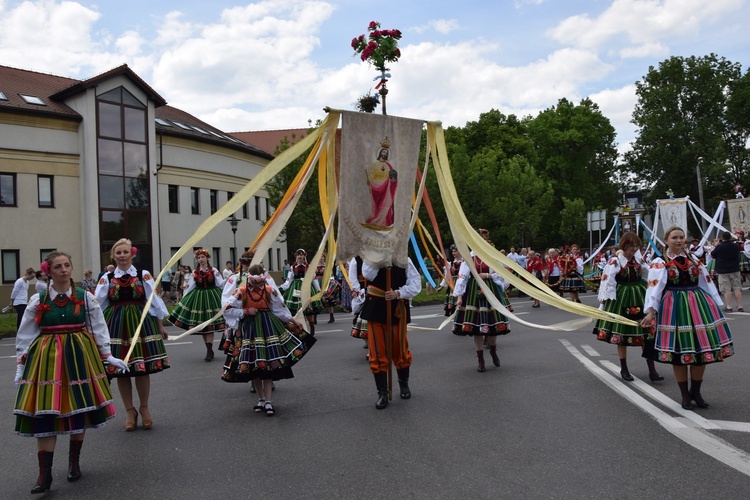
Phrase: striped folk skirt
[691,329]
[149,355]
[476,316]
[200,305]
[264,347]
[629,303]
[64,388]
[293,299]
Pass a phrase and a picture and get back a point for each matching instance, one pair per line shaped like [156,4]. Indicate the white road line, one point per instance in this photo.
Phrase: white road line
[659,397]
[696,437]
[426,316]
[733,426]
[590,350]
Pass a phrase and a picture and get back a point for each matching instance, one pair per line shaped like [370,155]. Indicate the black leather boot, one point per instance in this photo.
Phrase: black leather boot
[74,455]
[209,352]
[695,393]
[493,353]
[480,357]
[624,372]
[44,481]
[685,395]
[653,375]
[381,382]
[403,382]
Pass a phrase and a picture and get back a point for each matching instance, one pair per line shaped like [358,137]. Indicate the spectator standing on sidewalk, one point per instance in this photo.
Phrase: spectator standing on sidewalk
[727,257]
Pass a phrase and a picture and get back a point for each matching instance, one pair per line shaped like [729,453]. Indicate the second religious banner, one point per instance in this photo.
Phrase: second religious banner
[379,157]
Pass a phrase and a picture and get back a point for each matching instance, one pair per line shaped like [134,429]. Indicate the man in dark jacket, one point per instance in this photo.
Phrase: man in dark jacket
[727,257]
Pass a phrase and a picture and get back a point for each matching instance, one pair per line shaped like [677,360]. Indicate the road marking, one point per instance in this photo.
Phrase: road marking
[733,426]
[687,428]
[426,316]
[590,350]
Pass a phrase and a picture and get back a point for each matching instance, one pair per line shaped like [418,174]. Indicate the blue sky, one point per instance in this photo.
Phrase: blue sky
[276,64]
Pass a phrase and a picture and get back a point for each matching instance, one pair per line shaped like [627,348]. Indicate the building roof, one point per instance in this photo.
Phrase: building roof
[267,140]
[175,122]
[14,82]
[52,90]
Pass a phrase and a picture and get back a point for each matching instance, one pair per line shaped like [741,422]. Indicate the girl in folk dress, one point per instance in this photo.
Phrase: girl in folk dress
[201,302]
[571,271]
[449,304]
[62,383]
[122,295]
[622,291]
[270,341]
[292,290]
[685,307]
[475,316]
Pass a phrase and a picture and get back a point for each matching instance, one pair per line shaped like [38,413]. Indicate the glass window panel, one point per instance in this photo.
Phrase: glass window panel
[110,157]
[130,99]
[135,159]
[11,269]
[45,191]
[111,192]
[135,124]
[113,226]
[8,190]
[138,226]
[113,95]
[136,192]
[109,120]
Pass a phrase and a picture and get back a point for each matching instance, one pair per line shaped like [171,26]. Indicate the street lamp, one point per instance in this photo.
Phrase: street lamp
[700,191]
[233,221]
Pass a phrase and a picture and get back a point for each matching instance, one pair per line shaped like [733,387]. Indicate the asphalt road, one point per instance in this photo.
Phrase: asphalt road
[554,421]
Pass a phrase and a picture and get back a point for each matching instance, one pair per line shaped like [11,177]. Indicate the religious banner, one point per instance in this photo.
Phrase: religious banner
[379,157]
[673,212]
[739,215]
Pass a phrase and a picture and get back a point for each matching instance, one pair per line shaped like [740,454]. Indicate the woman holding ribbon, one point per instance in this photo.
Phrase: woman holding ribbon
[62,383]
[122,295]
[201,302]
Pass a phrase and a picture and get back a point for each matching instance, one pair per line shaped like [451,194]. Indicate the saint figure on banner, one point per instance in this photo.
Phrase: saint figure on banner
[382,181]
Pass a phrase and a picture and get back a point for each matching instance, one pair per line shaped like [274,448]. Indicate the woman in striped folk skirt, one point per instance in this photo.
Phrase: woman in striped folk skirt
[62,384]
[292,290]
[475,316]
[122,295]
[202,302]
[623,291]
[684,305]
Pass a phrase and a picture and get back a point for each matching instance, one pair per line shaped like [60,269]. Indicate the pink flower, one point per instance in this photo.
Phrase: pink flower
[615,339]
[484,329]
[709,357]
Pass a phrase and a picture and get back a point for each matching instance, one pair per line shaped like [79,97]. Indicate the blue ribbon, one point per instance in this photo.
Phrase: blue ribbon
[422,265]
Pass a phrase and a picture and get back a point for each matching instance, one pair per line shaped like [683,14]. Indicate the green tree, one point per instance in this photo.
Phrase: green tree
[573,221]
[691,110]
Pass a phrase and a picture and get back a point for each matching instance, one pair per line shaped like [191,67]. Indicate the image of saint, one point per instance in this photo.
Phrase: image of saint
[382,181]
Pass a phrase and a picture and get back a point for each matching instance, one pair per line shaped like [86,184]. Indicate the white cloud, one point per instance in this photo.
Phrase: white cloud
[442,26]
[617,105]
[641,22]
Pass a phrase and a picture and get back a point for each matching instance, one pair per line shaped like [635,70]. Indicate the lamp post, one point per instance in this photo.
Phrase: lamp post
[233,221]
[700,191]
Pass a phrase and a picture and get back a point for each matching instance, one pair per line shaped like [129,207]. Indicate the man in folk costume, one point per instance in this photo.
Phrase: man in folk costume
[404,284]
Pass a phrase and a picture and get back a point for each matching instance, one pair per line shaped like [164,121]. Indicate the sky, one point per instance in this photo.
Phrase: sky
[275,64]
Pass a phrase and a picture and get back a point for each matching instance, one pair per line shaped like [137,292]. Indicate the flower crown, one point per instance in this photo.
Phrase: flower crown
[200,252]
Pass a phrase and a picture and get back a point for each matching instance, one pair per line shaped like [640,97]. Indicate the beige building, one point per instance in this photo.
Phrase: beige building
[86,162]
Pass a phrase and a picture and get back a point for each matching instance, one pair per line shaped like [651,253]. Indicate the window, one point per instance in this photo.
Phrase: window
[216,257]
[32,99]
[278,258]
[257,207]
[195,201]
[11,269]
[8,190]
[214,200]
[172,251]
[2,97]
[174,199]
[230,195]
[244,211]
[162,122]
[270,258]
[268,207]
[44,252]
[45,188]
